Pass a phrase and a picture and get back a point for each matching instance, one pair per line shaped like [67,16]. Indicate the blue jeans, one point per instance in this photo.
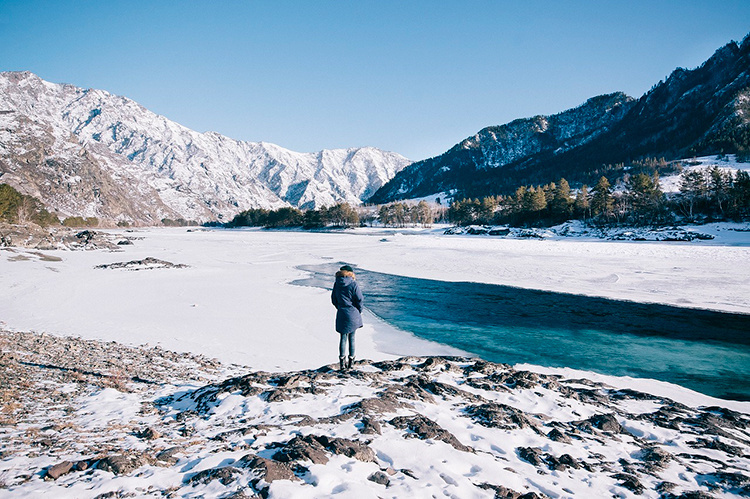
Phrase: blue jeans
[342,344]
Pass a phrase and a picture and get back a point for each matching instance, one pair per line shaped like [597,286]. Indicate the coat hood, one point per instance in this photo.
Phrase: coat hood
[345,273]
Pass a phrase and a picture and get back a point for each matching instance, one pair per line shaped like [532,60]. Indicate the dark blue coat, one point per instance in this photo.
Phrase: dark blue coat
[347,298]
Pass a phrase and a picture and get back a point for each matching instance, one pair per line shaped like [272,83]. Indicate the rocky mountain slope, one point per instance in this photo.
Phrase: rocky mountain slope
[497,147]
[694,112]
[86,152]
[83,419]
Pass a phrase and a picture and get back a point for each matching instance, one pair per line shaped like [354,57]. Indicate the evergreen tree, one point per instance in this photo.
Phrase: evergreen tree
[284,217]
[582,203]
[719,185]
[535,201]
[693,188]
[644,197]
[10,200]
[399,214]
[423,214]
[343,215]
[21,208]
[741,192]
[487,209]
[549,193]
[519,200]
[313,219]
[602,200]
[560,207]
[385,215]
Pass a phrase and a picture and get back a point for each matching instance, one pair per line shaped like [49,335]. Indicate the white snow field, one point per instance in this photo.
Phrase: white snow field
[235,302]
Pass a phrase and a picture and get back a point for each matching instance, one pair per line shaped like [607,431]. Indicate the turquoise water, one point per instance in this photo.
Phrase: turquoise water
[703,350]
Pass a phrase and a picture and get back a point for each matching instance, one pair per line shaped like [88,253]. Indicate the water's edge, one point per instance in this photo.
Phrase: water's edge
[704,350]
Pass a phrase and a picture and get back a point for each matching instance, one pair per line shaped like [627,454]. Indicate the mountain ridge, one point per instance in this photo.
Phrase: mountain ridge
[701,111]
[75,148]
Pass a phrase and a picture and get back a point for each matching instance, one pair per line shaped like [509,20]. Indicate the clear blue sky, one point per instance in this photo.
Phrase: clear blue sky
[411,77]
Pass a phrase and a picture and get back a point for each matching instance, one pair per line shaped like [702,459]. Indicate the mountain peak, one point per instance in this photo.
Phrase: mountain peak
[179,172]
[700,111]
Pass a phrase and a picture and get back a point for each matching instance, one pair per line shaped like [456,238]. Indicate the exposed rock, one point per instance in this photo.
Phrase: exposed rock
[120,464]
[349,448]
[693,494]
[605,422]
[380,477]
[370,426]
[506,493]
[225,475]
[59,469]
[149,434]
[33,366]
[655,458]
[531,455]
[535,456]
[630,482]
[267,469]
[378,405]
[736,482]
[32,236]
[666,487]
[495,415]
[302,448]
[424,428]
[145,264]
[558,436]
[563,462]
[168,455]
[715,443]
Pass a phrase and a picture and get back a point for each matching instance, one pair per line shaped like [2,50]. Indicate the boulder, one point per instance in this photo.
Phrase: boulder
[120,464]
[425,428]
[59,469]
[380,477]
[225,475]
[302,448]
[267,469]
[349,448]
[605,422]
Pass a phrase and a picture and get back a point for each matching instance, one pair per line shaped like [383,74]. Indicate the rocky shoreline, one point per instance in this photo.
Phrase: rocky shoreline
[83,418]
[32,236]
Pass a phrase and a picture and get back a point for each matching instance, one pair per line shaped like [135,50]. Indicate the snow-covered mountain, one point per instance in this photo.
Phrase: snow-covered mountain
[699,112]
[88,152]
[496,147]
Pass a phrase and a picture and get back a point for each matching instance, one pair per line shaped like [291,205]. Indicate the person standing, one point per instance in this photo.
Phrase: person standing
[347,298]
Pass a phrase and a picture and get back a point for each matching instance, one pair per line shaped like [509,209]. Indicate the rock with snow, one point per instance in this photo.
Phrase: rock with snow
[448,426]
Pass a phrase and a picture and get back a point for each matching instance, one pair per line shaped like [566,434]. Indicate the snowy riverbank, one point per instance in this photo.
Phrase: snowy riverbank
[88,419]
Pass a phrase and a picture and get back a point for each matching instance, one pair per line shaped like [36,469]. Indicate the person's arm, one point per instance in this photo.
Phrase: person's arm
[358,297]
[333,299]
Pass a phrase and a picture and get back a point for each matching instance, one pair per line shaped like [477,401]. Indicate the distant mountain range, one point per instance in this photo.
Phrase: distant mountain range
[87,152]
[694,112]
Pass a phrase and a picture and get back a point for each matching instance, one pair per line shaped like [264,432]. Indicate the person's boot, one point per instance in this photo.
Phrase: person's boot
[349,362]
[343,363]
